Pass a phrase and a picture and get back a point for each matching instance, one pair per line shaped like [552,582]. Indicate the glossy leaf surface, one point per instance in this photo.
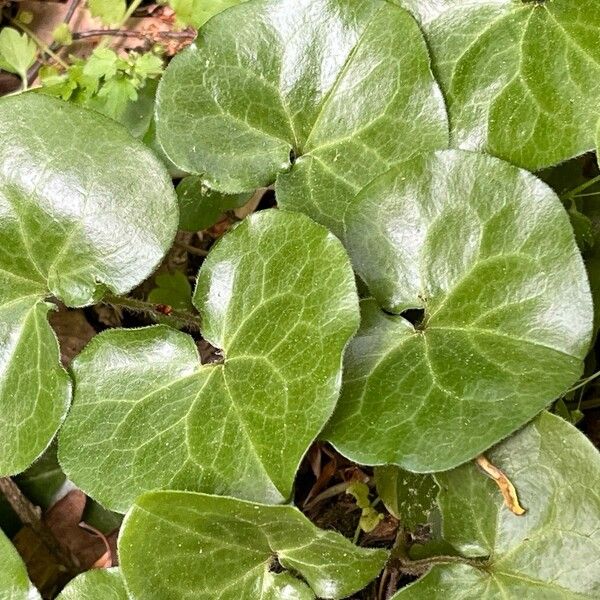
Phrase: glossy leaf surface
[549,553]
[14,583]
[486,252]
[200,207]
[277,295]
[97,584]
[220,548]
[77,202]
[522,78]
[343,85]
[408,496]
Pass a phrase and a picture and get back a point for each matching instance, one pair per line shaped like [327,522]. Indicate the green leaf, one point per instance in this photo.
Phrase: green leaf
[14,583]
[62,34]
[98,584]
[201,207]
[277,295]
[147,65]
[17,52]
[197,12]
[110,12]
[369,518]
[78,199]
[551,552]
[522,79]
[410,497]
[103,62]
[173,289]
[213,547]
[486,252]
[344,86]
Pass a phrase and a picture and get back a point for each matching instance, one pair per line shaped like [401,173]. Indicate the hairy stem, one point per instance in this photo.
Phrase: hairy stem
[400,560]
[31,516]
[189,319]
[581,188]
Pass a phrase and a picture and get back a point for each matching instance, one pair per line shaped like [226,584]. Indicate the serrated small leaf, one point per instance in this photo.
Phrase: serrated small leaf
[277,295]
[410,497]
[97,584]
[552,551]
[343,87]
[14,583]
[521,78]
[215,547]
[75,191]
[17,52]
[486,252]
[200,207]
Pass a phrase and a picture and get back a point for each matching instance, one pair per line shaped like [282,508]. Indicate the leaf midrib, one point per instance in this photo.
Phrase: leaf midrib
[345,67]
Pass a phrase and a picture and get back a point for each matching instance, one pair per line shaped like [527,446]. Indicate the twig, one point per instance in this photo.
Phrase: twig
[191,249]
[31,516]
[33,72]
[190,320]
[181,35]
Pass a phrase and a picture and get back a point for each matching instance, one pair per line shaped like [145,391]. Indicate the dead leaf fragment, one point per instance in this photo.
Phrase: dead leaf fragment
[506,487]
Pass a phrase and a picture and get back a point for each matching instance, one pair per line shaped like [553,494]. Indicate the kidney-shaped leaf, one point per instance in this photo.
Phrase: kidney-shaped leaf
[97,584]
[552,551]
[78,205]
[277,295]
[214,547]
[486,252]
[343,85]
[14,583]
[522,79]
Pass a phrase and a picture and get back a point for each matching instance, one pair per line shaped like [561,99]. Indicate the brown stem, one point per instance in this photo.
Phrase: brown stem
[180,35]
[31,516]
[35,69]
[399,558]
[188,319]
[191,249]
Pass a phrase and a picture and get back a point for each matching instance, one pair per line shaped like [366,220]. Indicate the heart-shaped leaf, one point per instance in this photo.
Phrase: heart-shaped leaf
[552,551]
[277,295]
[14,583]
[78,197]
[98,584]
[343,85]
[522,79]
[184,545]
[485,253]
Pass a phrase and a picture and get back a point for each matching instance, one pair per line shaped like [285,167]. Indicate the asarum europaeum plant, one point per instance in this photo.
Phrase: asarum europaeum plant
[395,135]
